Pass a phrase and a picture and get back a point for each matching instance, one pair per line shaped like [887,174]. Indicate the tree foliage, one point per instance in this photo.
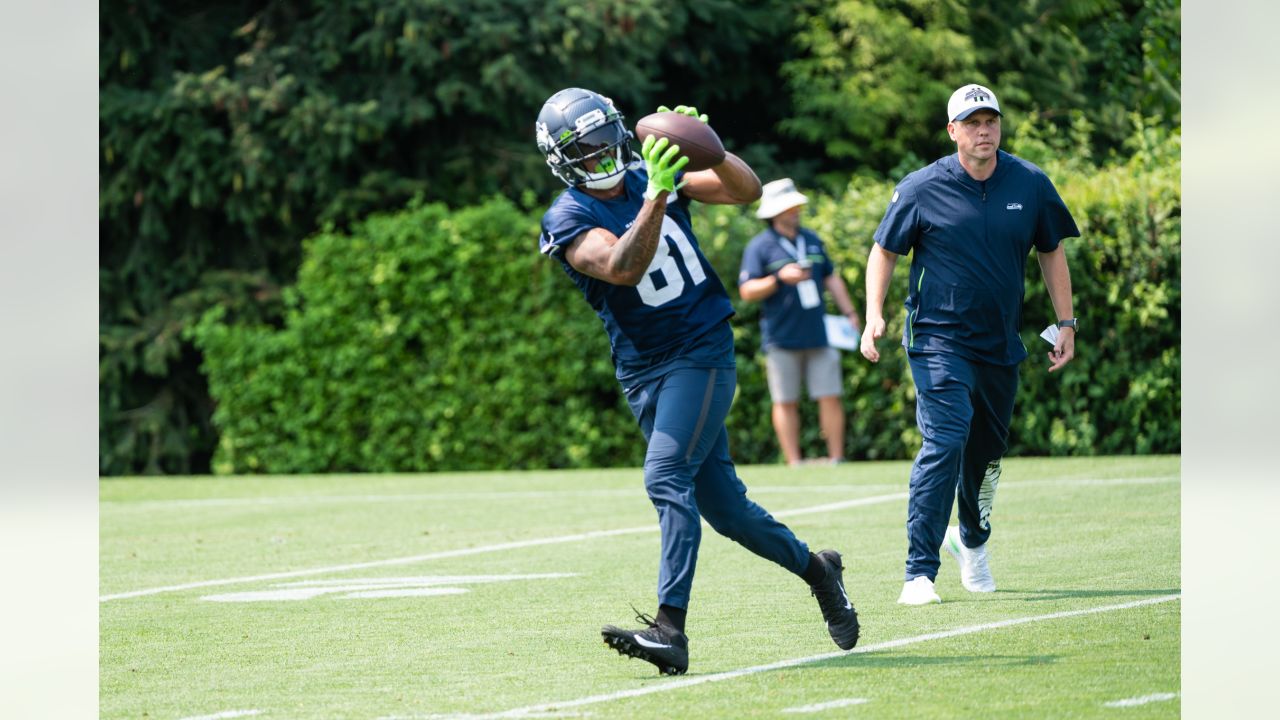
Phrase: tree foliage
[230,131]
[874,79]
[871,79]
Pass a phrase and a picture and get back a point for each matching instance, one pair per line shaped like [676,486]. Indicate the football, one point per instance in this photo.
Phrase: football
[696,139]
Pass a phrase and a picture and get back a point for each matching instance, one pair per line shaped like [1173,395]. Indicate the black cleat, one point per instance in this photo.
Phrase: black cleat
[837,610]
[662,645]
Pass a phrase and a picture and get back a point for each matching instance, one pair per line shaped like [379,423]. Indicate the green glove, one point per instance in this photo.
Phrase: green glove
[689,110]
[662,166]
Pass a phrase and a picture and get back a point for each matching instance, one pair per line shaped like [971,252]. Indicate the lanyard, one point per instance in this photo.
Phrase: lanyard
[797,252]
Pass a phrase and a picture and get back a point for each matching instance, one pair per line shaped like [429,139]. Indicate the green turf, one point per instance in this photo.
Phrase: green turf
[1071,535]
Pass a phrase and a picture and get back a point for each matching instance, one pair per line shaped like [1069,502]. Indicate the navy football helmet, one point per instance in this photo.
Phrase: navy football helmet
[576,126]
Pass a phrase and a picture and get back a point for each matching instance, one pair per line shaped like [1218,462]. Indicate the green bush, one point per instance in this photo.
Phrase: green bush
[431,339]
[423,340]
[879,399]
[1122,393]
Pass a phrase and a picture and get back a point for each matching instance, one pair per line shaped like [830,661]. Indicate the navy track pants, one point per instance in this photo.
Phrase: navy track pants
[963,409]
[688,475]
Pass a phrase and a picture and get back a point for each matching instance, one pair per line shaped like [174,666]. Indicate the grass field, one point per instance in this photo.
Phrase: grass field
[482,595]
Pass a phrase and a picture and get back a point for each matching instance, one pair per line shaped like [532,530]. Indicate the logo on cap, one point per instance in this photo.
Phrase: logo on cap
[969,98]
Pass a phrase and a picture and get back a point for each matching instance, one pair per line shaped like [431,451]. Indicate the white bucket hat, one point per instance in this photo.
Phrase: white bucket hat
[779,196]
[968,99]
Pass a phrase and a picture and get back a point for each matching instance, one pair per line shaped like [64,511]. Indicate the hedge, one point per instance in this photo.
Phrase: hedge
[438,339]
[423,340]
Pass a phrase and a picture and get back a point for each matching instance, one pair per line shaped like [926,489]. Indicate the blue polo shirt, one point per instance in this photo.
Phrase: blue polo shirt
[970,240]
[676,317]
[784,322]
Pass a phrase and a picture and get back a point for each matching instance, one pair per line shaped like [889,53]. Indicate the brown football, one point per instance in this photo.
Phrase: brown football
[696,139]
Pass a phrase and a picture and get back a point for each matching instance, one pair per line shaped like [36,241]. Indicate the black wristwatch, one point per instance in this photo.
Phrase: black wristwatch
[1073,323]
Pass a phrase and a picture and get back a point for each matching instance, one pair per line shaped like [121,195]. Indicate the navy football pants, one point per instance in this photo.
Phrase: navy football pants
[963,409]
[688,475]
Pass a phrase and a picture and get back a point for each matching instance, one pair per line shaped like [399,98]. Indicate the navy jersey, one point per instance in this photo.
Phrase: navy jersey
[970,241]
[784,321]
[676,316]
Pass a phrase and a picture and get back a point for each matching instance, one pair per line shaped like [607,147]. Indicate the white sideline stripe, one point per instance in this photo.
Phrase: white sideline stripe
[1148,480]
[374,587]
[1133,702]
[593,535]
[826,705]
[226,714]
[458,495]
[465,716]
[380,563]
[427,580]
[125,505]
[783,664]
[527,494]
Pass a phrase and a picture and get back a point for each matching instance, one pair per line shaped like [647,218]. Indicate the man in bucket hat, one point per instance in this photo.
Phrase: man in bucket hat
[786,267]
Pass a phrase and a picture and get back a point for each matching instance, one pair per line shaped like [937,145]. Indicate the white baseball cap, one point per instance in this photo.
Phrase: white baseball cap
[779,196]
[970,98]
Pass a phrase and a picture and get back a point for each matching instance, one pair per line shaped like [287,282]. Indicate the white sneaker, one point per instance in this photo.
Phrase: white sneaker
[919,591]
[975,574]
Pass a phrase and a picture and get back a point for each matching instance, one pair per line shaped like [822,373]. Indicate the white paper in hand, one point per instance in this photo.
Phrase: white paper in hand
[1050,335]
[841,333]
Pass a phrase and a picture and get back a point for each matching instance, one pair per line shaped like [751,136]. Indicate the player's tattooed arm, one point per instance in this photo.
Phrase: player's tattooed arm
[732,182]
[624,260]
[620,260]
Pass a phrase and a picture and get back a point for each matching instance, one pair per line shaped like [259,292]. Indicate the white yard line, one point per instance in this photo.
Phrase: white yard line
[1133,702]
[267,500]
[831,705]
[578,537]
[139,505]
[531,710]
[595,535]
[346,499]
[1150,480]
[226,715]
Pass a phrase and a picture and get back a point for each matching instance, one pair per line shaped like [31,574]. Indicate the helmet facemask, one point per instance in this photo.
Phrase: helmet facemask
[607,166]
[592,151]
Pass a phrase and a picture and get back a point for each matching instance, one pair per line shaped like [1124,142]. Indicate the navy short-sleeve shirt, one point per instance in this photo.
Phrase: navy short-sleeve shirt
[970,240]
[676,316]
[784,321]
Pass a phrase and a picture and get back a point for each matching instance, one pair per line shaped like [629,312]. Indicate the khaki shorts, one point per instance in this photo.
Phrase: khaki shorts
[819,367]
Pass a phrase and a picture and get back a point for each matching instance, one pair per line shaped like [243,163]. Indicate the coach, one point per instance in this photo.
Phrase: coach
[970,220]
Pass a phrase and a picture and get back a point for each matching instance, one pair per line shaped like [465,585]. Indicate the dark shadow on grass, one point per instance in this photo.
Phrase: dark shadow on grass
[1042,594]
[878,660]
[893,662]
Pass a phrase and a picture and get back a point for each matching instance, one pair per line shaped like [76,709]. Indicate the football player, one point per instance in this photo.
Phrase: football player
[621,231]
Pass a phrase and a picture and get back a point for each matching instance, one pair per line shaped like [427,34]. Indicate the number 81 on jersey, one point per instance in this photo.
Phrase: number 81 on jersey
[665,263]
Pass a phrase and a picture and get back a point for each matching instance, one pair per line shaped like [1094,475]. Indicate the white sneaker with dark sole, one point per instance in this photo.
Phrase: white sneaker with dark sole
[918,591]
[975,571]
